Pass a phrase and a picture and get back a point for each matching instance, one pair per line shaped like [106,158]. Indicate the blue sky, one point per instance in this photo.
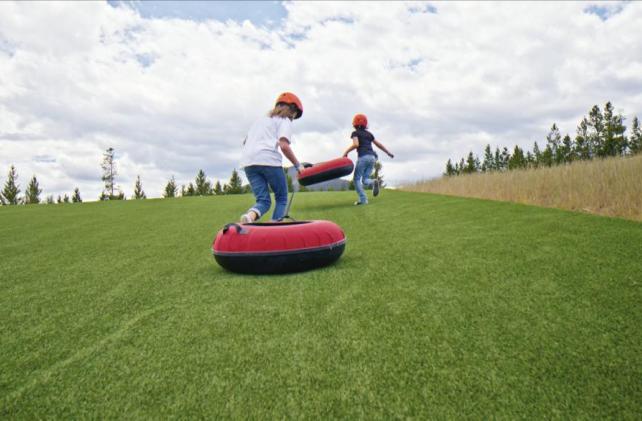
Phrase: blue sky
[266,13]
[261,13]
[604,11]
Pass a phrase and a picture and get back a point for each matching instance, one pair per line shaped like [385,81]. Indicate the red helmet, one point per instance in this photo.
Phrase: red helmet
[290,98]
[360,120]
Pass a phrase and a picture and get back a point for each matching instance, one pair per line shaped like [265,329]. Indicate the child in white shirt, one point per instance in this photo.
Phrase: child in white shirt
[262,160]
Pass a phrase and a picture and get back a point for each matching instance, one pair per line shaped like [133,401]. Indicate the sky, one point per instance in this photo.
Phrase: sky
[173,87]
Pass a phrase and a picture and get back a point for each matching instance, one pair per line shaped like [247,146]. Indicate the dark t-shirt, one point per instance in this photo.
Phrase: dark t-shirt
[365,142]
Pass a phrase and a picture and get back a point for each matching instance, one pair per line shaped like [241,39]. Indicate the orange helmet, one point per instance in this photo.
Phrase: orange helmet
[291,99]
[360,120]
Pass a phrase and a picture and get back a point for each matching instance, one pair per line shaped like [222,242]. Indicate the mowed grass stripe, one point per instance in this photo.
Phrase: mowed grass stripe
[440,307]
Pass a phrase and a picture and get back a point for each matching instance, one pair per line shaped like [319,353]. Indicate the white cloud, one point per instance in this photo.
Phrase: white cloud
[173,96]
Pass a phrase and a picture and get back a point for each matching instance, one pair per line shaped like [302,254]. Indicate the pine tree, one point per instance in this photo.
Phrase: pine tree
[50,199]
[517,160]
[59,199]
[537,155]
[234,186]
[488,164]
[505,157]
[450,170]
[32,195]
[553,141]
[470,164]
[615,142]
[191,191]
[635,141]
[497,160]
[76,197]
[203,187]
[218,190]
[596,133]
[65,199]
[609,135]
[109,172]
[170,188]
[547,156]
[567,149]
[530,159]
[513,162]
[582,148]
[138,189]
[11,189]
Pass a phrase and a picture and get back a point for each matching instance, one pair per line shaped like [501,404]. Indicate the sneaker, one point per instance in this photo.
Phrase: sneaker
[246,219]
[375,188]
[360,203]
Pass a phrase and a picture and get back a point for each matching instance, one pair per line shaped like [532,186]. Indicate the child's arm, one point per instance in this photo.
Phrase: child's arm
[284,144]
[383,148]
[355,145]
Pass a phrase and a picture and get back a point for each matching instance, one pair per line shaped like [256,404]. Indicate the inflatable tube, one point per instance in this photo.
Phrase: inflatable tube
[278,247]
[325,171]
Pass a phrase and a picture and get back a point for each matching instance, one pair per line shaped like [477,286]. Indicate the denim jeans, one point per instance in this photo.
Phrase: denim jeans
[260,176]
[362,172]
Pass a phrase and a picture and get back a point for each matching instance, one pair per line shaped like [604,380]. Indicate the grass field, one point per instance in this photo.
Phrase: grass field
[441,307]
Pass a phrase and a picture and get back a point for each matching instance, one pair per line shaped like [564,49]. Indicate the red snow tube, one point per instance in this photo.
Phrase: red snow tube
[278,247]
[325,171]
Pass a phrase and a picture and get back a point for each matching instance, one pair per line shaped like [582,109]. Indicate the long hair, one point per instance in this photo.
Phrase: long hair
[283,110]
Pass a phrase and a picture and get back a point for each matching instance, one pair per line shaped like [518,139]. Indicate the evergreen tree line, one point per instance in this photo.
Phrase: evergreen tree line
[600,134]
[10,194]
[201,186]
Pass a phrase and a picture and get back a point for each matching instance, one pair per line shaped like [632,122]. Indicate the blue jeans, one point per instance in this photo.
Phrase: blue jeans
[260,176]
[362,172]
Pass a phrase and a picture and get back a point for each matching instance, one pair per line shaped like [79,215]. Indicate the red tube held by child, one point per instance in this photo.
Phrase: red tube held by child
[324,171]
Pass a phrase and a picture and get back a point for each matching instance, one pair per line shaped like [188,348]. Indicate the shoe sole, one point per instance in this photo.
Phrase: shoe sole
[375,190]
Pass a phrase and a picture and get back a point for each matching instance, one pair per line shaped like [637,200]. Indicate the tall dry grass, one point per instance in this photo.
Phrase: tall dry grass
[611,187]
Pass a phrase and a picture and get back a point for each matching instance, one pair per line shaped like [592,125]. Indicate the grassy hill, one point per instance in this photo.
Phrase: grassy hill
[440,307]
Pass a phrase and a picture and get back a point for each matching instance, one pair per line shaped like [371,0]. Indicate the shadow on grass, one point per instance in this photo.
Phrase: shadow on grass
[216,273]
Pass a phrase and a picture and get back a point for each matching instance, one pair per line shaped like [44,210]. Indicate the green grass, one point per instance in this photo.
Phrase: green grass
[440,307]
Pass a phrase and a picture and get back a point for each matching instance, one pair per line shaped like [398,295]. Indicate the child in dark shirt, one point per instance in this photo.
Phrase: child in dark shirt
[362,141]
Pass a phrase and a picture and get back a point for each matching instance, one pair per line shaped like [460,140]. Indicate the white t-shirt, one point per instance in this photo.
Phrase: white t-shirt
[261,146]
